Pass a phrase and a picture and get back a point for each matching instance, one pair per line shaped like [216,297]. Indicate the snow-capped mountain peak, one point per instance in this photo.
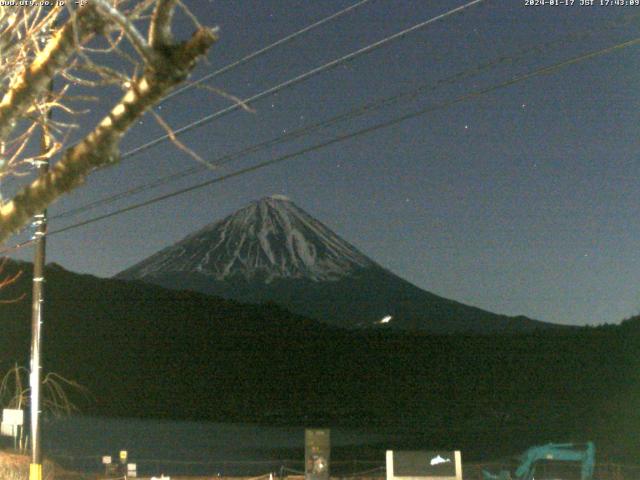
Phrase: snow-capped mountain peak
[268,239]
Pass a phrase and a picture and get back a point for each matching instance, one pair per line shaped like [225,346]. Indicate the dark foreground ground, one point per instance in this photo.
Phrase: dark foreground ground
[16,467]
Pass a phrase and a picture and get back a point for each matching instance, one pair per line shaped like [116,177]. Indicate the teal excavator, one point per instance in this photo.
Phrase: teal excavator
[561,452]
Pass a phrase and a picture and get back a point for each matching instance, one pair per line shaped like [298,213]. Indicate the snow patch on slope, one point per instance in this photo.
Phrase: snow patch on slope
[271,238]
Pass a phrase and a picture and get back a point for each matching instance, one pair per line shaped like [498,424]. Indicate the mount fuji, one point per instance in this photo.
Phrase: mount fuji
[273,251]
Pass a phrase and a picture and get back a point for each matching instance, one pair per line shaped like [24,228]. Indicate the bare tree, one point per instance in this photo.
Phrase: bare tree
[15,393]
[77,47]
[57,394]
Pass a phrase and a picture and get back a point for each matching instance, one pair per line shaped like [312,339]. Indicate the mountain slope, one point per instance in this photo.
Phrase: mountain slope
[269,239]
[143,350]
[273,251]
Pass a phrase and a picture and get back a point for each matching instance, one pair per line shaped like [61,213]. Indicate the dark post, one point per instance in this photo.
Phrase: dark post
[316,454]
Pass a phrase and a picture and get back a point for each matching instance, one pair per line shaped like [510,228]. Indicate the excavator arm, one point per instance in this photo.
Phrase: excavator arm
[563,452]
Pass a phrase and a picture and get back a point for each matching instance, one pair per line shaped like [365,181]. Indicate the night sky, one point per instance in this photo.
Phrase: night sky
[523,200]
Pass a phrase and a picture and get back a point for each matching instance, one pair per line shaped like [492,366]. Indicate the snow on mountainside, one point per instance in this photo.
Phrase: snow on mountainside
[269,239]
[273,251]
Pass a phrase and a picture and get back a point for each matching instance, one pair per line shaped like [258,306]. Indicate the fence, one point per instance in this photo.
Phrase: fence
[351,469]
[147,467]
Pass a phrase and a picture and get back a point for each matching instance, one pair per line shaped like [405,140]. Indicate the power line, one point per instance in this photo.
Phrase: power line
[263,50]
[342,138]
[293,81]
[279,87]
[369,48]
[304,76]
[354,113]
[288,83]
[259,52]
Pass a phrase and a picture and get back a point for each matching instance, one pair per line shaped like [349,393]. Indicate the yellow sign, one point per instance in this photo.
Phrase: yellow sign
[123,455]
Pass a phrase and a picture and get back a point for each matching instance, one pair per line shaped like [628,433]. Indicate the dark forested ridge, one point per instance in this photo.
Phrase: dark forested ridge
[146,351]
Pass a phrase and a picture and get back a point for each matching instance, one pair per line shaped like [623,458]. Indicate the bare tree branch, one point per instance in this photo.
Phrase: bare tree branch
[74,52]
[35,79]
[160,29]
[100,147]
[181,146]
[9,280]
[136,39]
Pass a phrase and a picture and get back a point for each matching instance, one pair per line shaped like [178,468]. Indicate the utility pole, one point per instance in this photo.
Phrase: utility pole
[37,306]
